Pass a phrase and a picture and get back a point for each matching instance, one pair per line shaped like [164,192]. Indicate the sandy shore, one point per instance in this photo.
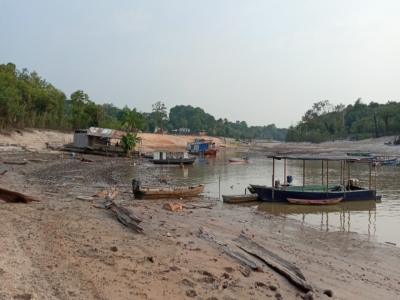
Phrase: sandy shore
[64,248]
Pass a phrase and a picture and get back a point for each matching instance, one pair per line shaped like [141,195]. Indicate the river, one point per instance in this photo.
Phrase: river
[377,221]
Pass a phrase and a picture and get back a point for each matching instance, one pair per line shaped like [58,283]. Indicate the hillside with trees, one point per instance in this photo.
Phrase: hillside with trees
[325,121]
[27,100]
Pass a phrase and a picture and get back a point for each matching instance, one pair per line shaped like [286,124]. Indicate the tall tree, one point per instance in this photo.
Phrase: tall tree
[159,113]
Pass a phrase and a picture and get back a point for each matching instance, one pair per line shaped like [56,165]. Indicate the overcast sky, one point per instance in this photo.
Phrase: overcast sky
[262,62]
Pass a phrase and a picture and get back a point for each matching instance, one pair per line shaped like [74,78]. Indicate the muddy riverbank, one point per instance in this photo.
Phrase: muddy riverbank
[64,248]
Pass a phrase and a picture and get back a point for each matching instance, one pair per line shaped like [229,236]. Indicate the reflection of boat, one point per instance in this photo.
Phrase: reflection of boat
[243,159]
[160,192]
[315,202]
[349,192]
[177,158]
[289,209]
[240,198]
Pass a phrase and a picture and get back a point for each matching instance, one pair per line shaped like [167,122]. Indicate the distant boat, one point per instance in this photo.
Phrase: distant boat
[359,153]
[200,146]
[315,201]
[240,198]
[392,161]
[172,158]
[243,159]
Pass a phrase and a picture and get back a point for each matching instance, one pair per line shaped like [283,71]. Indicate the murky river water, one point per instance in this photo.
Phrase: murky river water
[377,221]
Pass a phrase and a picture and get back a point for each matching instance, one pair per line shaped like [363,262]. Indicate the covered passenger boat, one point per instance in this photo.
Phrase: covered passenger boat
[348,188]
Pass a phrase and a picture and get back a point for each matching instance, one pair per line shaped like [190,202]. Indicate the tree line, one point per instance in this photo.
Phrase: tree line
[325,121]
[27,100]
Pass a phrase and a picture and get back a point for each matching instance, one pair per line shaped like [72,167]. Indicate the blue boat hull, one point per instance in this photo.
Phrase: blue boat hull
[281,195]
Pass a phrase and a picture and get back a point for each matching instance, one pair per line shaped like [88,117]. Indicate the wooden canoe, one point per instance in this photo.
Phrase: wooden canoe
[235,159]
[315,201]
[239,198]
[143,192]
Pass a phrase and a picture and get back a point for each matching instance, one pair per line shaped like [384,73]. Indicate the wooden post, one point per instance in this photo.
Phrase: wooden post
[348,175]
[375,184]
[327,175]
[284,173]
[322,172]
[219,186]
[341,171]
[370,175]
[304,172]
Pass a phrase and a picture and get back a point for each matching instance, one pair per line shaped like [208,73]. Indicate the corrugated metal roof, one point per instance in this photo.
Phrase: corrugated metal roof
[105,132]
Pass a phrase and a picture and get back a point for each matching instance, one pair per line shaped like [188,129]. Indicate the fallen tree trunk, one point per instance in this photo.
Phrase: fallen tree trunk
[285,268]
[15,197]
[242,259]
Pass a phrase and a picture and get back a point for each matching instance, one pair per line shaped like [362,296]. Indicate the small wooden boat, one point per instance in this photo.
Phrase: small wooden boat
[161,192]
[240,198]
[316,201]
[243,159]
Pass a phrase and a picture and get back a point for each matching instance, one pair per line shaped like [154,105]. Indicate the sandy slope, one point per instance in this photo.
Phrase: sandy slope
[61,247]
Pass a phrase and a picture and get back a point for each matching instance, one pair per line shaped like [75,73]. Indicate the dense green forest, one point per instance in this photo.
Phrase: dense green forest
[325,121]
[27,100]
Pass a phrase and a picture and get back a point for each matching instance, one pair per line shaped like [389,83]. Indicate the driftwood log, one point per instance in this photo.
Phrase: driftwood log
[127,217]
[209,206]
[247,263]
[15,197]
[15,162]
[285,268]
[4,172]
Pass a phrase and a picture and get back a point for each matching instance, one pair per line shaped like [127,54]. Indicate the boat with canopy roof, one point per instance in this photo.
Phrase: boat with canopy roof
[348,188]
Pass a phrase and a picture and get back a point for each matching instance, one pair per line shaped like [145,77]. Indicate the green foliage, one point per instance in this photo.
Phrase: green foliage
[159,113]
[196,119]
[131,119]
[359,121]
[128,142]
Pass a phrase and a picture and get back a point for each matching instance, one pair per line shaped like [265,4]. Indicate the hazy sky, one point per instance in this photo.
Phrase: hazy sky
[262,62]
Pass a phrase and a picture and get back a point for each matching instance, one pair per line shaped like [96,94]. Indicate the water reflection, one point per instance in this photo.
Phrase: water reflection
[331,217]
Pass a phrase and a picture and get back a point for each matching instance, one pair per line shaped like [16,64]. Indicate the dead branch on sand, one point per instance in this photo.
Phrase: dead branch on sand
[15,197]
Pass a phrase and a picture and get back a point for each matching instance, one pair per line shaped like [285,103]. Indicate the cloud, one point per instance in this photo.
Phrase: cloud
[131,20]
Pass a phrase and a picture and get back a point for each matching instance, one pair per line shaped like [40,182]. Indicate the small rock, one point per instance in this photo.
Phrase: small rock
[272,287]
[114,248]
[310,296]
[329,293]
[191,293]
[168,234]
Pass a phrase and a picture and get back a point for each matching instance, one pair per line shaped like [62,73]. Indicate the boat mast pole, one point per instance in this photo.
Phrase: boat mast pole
[273,177]
[304,172]
[322,172]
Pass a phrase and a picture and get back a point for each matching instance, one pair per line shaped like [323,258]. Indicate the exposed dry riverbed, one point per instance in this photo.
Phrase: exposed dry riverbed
[64,248]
